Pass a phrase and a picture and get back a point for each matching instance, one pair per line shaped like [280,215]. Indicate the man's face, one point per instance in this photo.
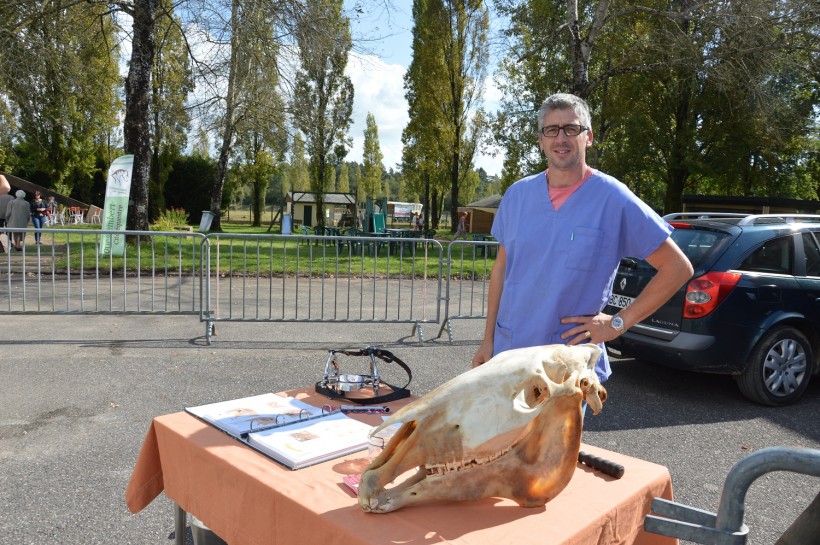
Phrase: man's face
[564,152]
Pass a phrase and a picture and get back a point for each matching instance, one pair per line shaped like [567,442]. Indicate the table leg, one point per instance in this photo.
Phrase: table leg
[180,525]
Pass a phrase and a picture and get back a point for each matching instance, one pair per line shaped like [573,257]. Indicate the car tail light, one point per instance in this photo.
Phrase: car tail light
[680,225]
[705,293]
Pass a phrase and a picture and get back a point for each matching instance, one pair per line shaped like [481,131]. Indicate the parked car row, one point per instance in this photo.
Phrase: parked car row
[751,309]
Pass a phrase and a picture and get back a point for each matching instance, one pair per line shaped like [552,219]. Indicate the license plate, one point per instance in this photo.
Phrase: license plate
[620,301]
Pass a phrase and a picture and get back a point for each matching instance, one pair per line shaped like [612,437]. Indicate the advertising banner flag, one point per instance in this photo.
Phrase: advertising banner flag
[117,192]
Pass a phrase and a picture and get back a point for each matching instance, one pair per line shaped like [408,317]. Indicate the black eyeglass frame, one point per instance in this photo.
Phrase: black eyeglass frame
[559,128]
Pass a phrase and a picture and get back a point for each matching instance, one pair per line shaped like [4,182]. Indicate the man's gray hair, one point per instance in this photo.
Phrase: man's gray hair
[21,194]
[565,101]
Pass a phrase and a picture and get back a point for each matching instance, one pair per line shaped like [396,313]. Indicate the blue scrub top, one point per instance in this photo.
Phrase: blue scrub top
[562,263]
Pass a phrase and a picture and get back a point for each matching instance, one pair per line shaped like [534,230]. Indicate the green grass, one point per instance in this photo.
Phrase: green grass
[245,250]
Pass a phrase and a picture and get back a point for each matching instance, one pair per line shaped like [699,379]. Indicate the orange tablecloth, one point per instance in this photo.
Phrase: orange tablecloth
[247,499]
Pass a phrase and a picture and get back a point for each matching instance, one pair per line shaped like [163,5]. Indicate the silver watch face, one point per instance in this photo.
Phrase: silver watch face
[617,323]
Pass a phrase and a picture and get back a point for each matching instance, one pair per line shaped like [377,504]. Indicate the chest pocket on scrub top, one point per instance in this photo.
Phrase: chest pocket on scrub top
[583,248]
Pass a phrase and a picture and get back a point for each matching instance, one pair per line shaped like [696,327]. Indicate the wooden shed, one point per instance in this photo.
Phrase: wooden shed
[339,208]
[481,214]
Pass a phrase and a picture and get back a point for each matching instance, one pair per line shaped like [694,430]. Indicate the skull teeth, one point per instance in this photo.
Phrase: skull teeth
[461,465]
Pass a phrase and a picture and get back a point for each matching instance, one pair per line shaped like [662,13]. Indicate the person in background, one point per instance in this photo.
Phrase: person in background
[18,212]
[461,229]
[5,199]
[38,215]
[52,207]
[562,234]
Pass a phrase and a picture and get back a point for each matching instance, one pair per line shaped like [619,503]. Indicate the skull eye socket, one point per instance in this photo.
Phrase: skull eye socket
[532,394]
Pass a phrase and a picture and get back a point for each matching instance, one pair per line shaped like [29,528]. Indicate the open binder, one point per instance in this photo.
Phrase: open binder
[285,429]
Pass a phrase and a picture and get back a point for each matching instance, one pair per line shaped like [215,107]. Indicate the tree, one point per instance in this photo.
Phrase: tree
[444,86]
[137,123]
[171,83]
[298,170]
[686,95]
[261,137]
[372,156]
[343,184]
[60,77]
[323,94]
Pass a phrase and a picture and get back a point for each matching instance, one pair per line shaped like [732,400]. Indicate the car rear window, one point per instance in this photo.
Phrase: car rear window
[697,244]
[773,256]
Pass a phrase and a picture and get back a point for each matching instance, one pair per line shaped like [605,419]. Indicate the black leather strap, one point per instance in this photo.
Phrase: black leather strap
[397,392]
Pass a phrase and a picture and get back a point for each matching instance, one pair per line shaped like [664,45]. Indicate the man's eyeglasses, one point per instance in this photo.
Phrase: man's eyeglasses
[551,131]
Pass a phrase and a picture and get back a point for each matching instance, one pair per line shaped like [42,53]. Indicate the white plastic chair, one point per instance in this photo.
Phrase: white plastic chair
[56,217]
[76,214]
[96,217]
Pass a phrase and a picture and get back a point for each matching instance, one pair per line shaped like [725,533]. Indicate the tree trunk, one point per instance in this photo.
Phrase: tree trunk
[678,169]
[454,192]
[221,169]
[258,198]
[137,125]
[229,125]
[429,222]
[436,205]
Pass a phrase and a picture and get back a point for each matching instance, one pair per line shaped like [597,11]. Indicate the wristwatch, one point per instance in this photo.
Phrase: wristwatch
[617,324]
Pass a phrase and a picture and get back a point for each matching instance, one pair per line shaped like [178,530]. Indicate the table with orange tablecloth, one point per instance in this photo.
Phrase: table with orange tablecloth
[248,499]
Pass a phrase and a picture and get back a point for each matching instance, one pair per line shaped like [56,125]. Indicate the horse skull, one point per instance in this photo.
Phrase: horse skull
[510,428]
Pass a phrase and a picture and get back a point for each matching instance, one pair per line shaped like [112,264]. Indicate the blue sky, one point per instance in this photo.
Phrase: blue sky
[382,53]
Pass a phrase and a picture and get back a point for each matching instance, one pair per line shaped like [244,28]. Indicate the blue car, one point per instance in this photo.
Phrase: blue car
[751,309]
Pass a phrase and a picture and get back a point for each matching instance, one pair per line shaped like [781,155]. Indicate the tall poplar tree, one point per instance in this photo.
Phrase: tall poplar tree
[323,94]
[343,184]
[172,81]
[444,88]
[372,157]
[261,138]
[298,171]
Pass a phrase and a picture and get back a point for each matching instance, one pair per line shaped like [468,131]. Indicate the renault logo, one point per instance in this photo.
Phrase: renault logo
[622,285]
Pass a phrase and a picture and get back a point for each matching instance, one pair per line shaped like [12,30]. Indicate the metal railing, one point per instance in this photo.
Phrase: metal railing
[249,278]
[306,278]
[158,273]
[469,264]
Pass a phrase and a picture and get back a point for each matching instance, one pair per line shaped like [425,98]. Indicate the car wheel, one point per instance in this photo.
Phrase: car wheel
[779,369]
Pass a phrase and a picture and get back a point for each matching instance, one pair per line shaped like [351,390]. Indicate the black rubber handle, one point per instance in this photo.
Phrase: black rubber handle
[604,466]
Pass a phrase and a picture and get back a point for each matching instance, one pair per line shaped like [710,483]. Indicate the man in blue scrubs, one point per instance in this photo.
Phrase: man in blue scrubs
[561,236]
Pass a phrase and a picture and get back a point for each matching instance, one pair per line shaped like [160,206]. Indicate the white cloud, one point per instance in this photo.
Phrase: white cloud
[379,90]
[491,160]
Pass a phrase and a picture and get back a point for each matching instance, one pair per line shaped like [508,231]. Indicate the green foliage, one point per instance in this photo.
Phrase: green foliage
[323,95]
[443,85]
[170,219]
[298,170]
[343,182]
[189,184]
[172,81]
[372,156]
[713,97]
[60,72]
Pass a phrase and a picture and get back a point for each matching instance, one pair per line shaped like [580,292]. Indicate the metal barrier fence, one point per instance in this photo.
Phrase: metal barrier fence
[306,278]
[241,278]
[158,273]
[469,264]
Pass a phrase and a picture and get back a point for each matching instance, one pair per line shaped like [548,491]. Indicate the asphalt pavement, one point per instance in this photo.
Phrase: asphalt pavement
[78,393]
